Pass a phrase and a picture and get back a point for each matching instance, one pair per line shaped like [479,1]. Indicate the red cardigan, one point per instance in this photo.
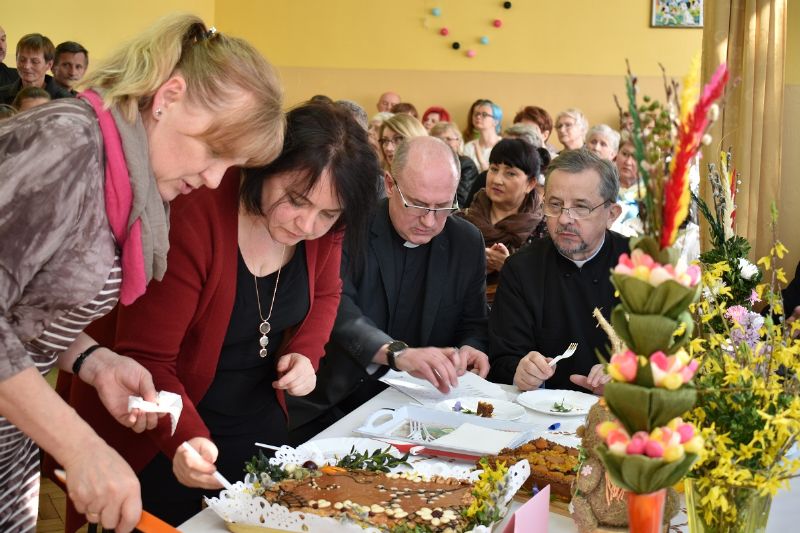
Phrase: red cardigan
[177,328]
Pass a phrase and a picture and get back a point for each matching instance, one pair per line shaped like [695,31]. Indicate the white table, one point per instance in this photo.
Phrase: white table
[784,515]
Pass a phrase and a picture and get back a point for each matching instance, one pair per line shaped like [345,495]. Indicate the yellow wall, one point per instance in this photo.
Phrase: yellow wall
[99,25]
[553,54]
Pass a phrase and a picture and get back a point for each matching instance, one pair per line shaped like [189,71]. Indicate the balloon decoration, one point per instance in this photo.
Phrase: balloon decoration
[444,31]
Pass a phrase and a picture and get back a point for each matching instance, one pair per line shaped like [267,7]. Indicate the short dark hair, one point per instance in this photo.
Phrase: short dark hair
[70,47]
[517,153]
[37,43]
[535,114]
[322,137]
[575,161]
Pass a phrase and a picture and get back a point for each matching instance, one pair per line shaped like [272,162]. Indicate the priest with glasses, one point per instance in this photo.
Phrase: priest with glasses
[416,302]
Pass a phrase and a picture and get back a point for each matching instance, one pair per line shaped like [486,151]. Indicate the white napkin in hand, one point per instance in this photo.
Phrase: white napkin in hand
[166,402]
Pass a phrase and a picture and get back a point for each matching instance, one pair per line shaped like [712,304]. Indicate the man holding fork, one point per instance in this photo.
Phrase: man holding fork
[549,290]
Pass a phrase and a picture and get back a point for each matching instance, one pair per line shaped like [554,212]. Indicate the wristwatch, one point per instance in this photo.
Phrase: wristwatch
[393,351]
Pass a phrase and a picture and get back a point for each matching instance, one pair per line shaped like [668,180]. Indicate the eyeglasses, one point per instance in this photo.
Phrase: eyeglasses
[393,140]
[575,213]
[421,211]
[482,114]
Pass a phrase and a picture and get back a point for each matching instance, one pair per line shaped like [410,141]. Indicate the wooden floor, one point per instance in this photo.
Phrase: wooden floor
[52,505]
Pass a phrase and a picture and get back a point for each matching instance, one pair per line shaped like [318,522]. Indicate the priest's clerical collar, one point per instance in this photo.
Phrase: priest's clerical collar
[582,262]
[408,244]
[401,240]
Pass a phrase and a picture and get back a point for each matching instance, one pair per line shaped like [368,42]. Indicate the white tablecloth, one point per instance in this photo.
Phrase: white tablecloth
[784,516]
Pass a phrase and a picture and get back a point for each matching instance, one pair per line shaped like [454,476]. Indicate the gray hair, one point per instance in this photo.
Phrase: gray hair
[356,111]
[526,132]
[577,116]
[576,161]
[383,116]
[604,130]
[434,144]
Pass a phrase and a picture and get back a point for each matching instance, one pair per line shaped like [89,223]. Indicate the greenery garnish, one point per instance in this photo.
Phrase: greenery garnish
[560,407]
[377,461]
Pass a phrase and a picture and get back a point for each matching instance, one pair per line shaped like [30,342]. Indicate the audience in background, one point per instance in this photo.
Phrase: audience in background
[630,189]
[486,120]
[448,132]
[69,64]
[386,101]
[356,111]
[405,108]
[469,131]
[34,58]
[30,97]
[571,127]
[433,115]
[7,74]
[603,141]
[394,131]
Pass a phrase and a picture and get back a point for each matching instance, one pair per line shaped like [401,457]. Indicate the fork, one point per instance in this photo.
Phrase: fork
[418,431]
[567,353]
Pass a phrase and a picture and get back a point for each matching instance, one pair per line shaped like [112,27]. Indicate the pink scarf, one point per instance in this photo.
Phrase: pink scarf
[119,199]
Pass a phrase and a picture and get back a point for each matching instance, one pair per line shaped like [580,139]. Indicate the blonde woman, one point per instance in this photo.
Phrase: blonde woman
[84,223]
[448,132]
[571,127]
[396,130]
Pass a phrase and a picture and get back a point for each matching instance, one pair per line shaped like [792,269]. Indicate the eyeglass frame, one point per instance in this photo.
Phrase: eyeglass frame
[394,140]
[570,213]
[482,114]
[435,210]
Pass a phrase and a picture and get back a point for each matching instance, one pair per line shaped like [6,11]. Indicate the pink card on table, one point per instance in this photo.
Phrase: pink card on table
[533,516]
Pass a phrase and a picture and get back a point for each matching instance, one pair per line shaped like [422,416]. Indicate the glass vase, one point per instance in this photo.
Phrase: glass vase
[646,512]
[752,511]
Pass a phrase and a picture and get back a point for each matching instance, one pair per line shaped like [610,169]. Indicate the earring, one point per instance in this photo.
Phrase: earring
[159,112]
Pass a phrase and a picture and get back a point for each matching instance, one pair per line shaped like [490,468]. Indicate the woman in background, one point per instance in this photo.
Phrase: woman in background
[84,222]
[244,310]
[396,130]
[486,119]
[508,211]
[571,127]
[434,115]
[448,132]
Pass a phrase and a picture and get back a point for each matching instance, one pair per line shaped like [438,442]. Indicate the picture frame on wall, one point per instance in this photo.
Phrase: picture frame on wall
[677,14]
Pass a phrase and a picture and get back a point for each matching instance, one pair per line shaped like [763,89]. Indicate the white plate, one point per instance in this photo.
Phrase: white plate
[340,446]
[503,410]
[543,400]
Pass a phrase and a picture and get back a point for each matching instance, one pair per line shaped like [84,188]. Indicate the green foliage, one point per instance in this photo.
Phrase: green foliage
[377,461]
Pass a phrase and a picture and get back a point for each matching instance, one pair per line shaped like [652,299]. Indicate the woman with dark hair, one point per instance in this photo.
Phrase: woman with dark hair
[245,309]
[507,211]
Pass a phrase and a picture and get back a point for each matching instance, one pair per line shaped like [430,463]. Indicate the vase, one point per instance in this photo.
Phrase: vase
[752,511]
[646,511]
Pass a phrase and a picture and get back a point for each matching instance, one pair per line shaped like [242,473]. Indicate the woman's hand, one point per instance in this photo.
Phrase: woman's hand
[295,374]
[496,255]
[102,486]
[116,377]
[195,470]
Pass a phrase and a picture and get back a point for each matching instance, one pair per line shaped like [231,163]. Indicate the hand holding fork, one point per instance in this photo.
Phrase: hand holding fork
[534,369]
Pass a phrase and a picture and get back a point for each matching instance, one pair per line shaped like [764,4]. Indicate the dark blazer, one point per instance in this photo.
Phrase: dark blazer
[454,310]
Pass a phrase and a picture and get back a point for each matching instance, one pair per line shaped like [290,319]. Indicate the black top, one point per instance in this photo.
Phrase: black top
[544,302]
[9,92]
[469,172]
[411,265]
[241,398]
[8,75]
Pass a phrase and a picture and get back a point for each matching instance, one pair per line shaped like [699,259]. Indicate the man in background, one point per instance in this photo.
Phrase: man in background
[69,65]
[387,101]
[7,74]
[35,54]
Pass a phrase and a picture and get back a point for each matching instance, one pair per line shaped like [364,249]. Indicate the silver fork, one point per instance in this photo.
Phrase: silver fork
[567,353]
[418,432]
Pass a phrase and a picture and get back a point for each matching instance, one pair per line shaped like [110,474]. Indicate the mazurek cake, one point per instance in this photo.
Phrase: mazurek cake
[551,464]
[378,499]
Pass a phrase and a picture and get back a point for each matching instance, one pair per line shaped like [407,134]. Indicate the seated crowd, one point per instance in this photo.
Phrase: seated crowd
[366,244]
